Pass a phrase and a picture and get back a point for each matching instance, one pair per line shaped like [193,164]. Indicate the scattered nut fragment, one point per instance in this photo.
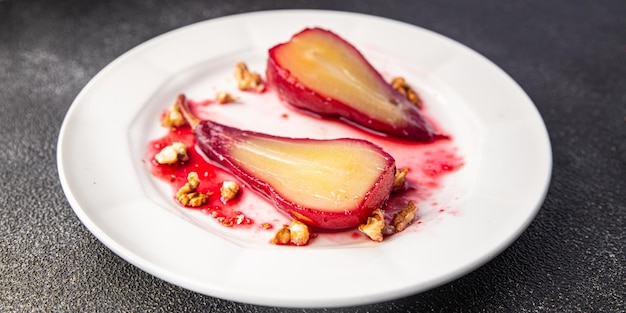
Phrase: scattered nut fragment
[187,194]
[404,218]
[297,234]
[229,190]
[374,226]
[173,117]
[400,179]
[283,236]
[247,80]
[399,84]
[223,97]
[240,218]
[173,153]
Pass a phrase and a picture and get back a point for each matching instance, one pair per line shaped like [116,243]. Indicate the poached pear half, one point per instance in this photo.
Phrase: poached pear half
[328,184]
[318,71]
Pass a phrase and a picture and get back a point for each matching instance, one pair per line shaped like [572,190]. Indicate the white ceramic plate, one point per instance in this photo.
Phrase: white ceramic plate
[492,199]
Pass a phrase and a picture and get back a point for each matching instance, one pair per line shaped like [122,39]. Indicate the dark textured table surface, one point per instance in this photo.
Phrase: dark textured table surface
[569,56]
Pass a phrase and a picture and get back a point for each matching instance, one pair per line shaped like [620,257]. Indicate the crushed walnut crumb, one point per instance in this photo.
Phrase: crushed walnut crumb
[400,179]
[173,153]
[405,217]
[187,194]
[223,97]
[247,80]
[173,117]
[229,190]
[373,228]
[399,84]
[297,234]
[282,236]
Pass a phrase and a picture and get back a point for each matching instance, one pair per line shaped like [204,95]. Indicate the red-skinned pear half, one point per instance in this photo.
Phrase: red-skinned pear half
[328,184]
[320,72]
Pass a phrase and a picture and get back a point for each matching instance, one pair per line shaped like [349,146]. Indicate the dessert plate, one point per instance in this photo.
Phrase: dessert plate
[477,212]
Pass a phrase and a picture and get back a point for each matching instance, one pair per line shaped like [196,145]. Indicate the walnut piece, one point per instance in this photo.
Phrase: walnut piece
[282,236]
[405,217]
[229,190]
[173,153]
[399,84]
[297,234]
[187,194]
[373,228]
[400,179]
[247,80]
[223,97]
[173,117]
